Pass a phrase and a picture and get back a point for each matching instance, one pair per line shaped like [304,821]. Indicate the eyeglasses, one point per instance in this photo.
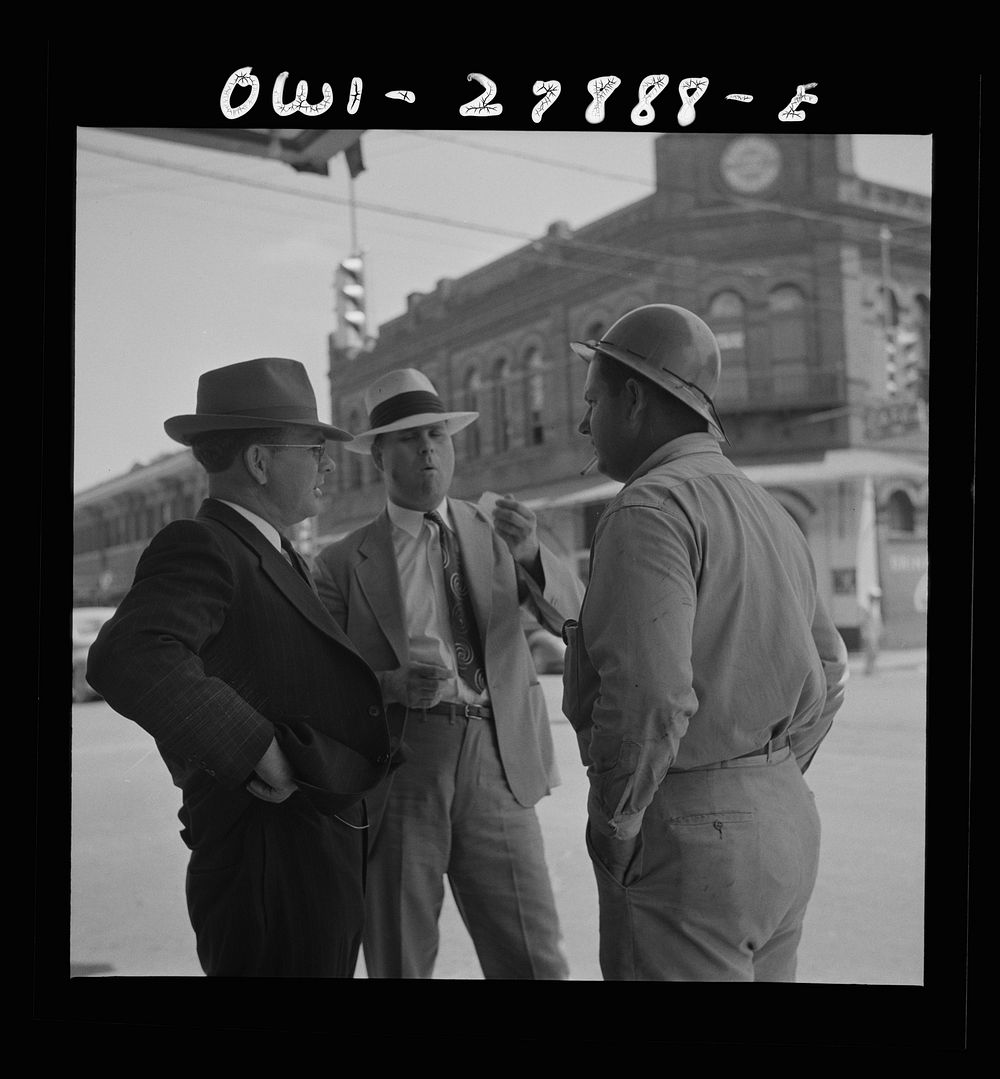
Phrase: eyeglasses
[318,449]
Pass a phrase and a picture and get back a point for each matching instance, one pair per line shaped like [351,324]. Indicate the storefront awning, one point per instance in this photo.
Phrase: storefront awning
[835,466]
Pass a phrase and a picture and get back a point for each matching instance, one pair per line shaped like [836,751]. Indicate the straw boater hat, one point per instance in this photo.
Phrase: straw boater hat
[267,392]
[403,399]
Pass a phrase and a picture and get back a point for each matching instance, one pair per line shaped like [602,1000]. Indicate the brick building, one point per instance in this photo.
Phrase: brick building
[817,284]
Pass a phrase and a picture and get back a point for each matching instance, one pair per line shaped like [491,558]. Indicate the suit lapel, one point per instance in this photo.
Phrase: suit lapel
[378,578]
[475,541]
[284,577]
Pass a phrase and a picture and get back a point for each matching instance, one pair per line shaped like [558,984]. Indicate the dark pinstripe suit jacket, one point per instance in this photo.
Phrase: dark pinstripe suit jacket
[220,640]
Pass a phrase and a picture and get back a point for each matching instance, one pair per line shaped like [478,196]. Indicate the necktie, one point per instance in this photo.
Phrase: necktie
[294,559]
[468,651]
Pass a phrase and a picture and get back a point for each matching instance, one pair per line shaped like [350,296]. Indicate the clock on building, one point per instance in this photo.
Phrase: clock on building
[750,164]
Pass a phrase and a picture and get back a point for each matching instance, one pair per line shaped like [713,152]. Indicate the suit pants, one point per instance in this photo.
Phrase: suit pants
[718,886]
[449,811]
[277,890]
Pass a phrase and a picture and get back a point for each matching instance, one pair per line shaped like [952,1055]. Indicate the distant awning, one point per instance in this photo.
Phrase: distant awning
[835,466]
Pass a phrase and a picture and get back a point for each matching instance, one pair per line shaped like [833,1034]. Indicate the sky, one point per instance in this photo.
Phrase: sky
[188,259]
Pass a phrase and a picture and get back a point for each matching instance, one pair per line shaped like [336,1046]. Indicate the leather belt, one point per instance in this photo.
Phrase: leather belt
[762,755]
[458,711]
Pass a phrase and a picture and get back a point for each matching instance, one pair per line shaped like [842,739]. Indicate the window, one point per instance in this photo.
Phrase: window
[727,317]
[501,405]
[472,393]
[923,304]
[889,311]
[535,367]
[900,512]
[578,374]
[788,324]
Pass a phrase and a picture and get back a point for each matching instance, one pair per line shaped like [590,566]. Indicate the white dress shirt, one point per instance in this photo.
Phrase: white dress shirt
[268,529]
[417,546]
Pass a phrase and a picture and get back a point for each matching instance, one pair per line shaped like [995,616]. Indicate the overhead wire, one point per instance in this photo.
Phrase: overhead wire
[535,248]
[736,205]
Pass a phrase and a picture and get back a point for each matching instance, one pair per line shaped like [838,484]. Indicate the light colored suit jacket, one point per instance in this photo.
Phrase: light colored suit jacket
[358,581]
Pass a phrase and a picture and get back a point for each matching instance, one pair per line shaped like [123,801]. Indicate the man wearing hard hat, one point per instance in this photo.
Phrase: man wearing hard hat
[701,677]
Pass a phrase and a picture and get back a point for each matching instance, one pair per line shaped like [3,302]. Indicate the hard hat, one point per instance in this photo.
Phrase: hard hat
[672,347]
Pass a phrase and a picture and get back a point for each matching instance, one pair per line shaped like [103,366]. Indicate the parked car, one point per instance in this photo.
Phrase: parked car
[87,622]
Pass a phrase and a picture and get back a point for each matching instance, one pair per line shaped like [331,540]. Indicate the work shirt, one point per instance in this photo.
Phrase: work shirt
[701,635]
[417,545]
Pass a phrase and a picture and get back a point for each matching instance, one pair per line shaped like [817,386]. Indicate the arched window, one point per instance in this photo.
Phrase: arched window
[900,512]
[501,405]
[472,393]
[727,317]
[578,373]
[890,307]
[534,365]
[924,331]
[787,308]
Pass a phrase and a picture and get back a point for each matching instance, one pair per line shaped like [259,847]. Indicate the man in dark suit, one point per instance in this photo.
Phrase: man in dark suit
[430,593]
[268,719]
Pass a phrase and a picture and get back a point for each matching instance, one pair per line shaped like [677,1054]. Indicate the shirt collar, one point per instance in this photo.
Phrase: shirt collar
[270,532]
[698,442]
[412,521]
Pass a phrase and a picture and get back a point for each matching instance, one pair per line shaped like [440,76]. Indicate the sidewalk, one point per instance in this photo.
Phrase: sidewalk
[890,660]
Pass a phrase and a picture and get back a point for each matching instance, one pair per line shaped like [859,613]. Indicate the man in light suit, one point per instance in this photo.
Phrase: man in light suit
[462,695]
[268,719]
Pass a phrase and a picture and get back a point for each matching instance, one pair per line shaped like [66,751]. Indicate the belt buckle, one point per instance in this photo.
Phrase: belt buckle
[468,712]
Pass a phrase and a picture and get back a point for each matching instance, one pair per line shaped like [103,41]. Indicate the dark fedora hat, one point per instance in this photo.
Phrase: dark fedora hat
[267,392]
[332,775]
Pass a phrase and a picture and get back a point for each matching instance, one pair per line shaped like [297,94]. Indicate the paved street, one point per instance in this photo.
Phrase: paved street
[865,923]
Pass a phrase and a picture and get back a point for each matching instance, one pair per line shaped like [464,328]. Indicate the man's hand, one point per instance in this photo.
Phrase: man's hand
[518,527]
[418,686]
[273,781]
[616,855]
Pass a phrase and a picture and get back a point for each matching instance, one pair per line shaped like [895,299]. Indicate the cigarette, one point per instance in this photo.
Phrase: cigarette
[590,465]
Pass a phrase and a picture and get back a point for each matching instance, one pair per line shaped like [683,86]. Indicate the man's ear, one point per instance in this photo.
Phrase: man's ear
[636,399]
[255,462]
[377,455]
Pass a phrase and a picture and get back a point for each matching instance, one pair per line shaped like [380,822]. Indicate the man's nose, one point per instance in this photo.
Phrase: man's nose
[584,427]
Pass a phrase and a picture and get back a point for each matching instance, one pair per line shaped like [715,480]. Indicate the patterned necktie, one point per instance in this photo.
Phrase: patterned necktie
[468,651]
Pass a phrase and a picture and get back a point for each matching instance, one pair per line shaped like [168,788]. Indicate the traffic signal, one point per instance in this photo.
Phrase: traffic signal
[352,318]
[891,371]
[908,361]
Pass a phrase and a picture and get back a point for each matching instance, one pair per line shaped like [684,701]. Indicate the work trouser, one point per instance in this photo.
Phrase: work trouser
[717,891]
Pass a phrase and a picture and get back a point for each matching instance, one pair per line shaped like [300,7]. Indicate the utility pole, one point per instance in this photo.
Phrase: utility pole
[354,222]
[888,326]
